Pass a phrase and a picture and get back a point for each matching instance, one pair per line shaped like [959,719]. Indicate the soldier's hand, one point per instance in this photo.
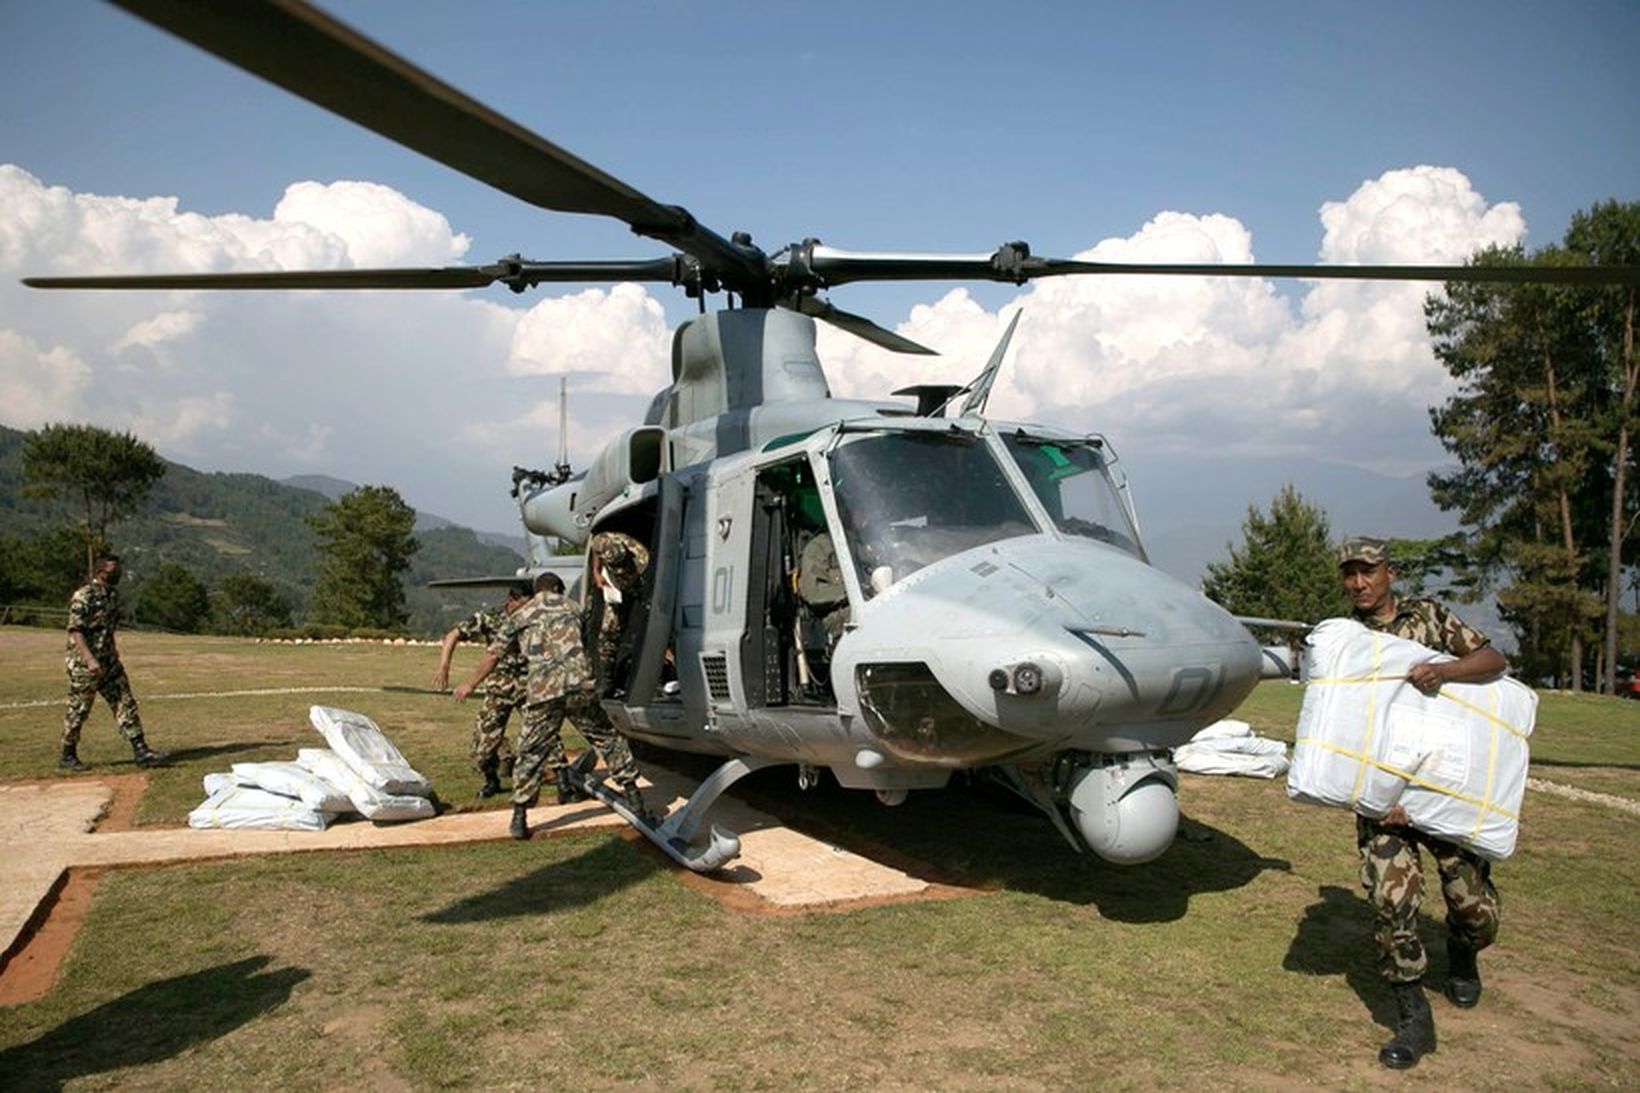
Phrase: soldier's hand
[462,692]
[1427,677]
[441,680]
[1397,817]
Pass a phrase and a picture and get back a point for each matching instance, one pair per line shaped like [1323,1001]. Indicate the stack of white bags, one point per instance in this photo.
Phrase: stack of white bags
[1368,740]
[1232,747]
[360,772]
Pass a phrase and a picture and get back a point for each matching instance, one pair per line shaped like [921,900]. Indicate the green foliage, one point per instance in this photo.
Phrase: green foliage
[1540,427]
[249,606]
[173,599]
[1286,567]
[103,475]
[366,546]
[41,569]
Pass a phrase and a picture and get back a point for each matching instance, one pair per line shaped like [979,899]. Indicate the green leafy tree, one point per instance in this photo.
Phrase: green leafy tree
[365,546]
[104,475]
[249,605]
[173,599]
[1286,567]
[1609,234]
[40,570]
[1526,428]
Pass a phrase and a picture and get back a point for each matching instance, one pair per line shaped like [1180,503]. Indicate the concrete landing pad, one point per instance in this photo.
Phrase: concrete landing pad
[46,830]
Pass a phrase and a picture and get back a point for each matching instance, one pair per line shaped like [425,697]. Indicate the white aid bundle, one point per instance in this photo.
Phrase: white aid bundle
[1231,747]
[366,749]
[293,780]
[245,807]
[369,801]
[1368,740]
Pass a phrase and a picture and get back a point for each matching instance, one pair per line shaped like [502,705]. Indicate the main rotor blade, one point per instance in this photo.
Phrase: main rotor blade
[1014,263]
[861,327]
[517,274]
[306,52]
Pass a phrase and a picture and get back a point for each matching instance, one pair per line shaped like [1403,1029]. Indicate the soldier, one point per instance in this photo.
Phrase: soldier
[94,667]
[547,630]
[491,754]
[820,585]
[1391,868]
[618,562]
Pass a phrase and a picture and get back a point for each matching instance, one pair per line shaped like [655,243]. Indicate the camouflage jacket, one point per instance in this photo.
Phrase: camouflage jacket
[819,577]
[1429,623]
[484,625]
[94,611]
[622,557]
[548,632]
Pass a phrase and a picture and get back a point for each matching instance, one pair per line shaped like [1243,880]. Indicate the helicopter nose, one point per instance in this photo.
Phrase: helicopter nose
[1040,645]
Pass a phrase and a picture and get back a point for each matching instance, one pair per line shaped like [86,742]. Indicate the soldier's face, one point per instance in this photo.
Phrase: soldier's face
[1367,585]
[108,571]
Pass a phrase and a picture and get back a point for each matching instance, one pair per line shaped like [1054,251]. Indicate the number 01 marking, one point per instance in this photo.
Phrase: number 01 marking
[723,585]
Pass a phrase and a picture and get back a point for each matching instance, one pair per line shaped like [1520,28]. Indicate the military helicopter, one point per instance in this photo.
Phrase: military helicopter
[1000,609]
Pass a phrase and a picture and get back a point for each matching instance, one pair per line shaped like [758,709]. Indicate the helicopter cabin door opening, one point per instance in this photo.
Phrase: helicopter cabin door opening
[796,603]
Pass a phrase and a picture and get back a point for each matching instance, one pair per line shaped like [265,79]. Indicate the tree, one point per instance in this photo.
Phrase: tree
[1286,567]
[105,474]
[365,546]
[173,599]
[40,570]
[249,605]
[1609,234]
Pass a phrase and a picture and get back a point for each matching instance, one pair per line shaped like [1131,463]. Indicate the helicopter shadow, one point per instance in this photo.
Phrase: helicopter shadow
[155,1022]
[596,872]
[975,837]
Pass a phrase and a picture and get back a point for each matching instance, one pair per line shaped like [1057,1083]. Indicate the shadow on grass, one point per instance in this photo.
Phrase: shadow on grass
[209,751]
[586,878]
[1335,938]
[977,837]
[150,1024]
[1571,764]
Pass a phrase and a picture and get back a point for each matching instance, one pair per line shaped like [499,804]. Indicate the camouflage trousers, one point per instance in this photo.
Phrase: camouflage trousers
[1393,876]
[491,752]
[83,689]
[541,748]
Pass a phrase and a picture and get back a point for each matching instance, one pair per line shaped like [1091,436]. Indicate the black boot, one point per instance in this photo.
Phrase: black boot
[1463,977]
[632,797]
[491,786]
[71,760]
[146,756]
[568,791]
[1414,1029]
[520,828]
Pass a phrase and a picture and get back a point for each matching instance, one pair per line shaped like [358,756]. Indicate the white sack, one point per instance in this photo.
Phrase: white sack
[366,749]
[243,807]
[1368,739]
[1231,747]
[217,782]
[293,780]
[369,801]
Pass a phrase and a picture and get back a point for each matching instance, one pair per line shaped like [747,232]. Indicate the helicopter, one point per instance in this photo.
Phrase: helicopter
[997,610]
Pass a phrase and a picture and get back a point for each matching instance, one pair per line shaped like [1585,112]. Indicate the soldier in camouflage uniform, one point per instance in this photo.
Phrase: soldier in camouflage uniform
[492,756]
[618,562]
[548,631]
[94,668]
[1391,868]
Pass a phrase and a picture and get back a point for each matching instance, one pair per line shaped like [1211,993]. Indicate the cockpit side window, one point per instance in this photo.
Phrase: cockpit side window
[1070,479]
[910,499]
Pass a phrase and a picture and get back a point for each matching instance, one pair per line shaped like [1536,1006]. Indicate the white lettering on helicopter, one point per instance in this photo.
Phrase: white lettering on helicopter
[723,584]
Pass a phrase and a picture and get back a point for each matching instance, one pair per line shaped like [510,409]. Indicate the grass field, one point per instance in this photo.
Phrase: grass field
[1240,959]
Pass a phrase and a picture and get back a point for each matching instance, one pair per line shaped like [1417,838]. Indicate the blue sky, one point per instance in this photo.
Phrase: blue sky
[917,126]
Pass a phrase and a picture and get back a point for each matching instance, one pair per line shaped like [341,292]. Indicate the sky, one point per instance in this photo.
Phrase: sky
[1264,131]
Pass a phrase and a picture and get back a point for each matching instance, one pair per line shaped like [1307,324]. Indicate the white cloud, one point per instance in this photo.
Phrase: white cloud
[619,335]
[440,393]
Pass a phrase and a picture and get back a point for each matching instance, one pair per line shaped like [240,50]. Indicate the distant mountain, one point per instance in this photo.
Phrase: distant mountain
[334,488]
[216,524]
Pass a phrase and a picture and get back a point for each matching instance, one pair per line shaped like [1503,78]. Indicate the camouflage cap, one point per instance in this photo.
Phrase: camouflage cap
[1362,548]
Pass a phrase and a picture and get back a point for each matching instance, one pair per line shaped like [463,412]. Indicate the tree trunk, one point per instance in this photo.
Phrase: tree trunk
[1614,571]
[1567,536]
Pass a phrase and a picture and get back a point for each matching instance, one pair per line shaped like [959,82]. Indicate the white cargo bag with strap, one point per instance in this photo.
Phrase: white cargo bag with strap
[247,808]
[1368,739]
[366,749]
[370,802]
[293,780]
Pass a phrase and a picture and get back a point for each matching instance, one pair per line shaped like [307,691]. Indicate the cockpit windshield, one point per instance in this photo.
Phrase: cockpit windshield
[1069,478]
[909,499]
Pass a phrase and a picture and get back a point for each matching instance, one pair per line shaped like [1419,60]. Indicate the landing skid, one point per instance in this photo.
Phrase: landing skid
[675,834]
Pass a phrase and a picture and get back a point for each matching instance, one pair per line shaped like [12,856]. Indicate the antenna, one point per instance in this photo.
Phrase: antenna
[561,471]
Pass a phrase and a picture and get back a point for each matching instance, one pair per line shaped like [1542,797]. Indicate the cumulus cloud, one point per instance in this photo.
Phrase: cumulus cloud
[440,393]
